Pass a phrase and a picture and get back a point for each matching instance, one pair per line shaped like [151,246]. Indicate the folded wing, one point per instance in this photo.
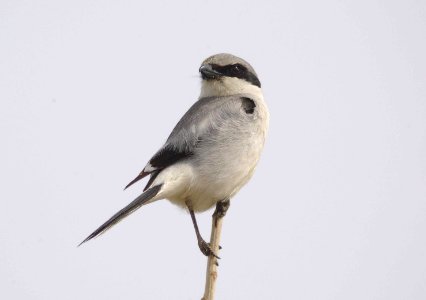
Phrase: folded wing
[205,116]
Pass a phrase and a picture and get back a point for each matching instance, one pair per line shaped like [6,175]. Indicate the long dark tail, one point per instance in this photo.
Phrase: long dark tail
[133,206]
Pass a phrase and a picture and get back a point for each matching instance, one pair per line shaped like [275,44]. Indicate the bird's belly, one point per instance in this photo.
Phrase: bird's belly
[222,172]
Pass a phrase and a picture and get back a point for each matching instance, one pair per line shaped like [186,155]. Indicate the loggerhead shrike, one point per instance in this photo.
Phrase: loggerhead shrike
[213,150]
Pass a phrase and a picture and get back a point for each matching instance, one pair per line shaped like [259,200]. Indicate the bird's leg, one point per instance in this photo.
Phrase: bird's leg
[204,247]
[221,209]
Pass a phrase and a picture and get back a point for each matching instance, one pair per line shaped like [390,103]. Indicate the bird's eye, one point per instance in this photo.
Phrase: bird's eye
[237,68]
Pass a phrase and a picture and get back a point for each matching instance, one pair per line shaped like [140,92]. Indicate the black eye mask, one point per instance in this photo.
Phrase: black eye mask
[238,71]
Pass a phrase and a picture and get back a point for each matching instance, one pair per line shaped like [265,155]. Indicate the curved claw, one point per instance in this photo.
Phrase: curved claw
[205,249]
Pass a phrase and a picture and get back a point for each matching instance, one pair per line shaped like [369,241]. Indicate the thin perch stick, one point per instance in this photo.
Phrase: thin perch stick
[212,264]
[211,273]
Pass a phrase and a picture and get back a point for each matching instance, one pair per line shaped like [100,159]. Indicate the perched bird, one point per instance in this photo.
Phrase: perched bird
[213,150]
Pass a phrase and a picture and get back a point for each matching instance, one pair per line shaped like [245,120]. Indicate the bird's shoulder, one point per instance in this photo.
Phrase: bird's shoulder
[208,112]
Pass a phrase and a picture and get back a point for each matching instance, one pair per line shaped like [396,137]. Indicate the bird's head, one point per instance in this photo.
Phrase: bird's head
[225,74]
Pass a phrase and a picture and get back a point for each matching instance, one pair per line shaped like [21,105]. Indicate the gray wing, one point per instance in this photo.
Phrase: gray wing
[201,121]
[204,118]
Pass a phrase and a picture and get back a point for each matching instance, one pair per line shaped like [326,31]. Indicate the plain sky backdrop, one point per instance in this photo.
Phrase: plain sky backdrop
[89,90]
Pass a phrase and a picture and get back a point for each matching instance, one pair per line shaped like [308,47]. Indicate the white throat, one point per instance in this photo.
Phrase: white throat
[228,86]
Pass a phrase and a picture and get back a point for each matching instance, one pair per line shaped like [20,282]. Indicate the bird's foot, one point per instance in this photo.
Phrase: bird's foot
[220,211]
[205,248]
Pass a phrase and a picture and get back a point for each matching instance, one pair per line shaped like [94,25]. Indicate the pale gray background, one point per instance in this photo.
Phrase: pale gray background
[90,89]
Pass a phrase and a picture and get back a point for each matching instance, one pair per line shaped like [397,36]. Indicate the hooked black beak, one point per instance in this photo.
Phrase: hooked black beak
[207,72]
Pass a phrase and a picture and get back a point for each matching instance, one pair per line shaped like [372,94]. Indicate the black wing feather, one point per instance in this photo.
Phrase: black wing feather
[167,156]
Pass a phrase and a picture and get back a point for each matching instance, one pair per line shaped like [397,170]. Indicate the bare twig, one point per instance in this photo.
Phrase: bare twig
[212,263]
